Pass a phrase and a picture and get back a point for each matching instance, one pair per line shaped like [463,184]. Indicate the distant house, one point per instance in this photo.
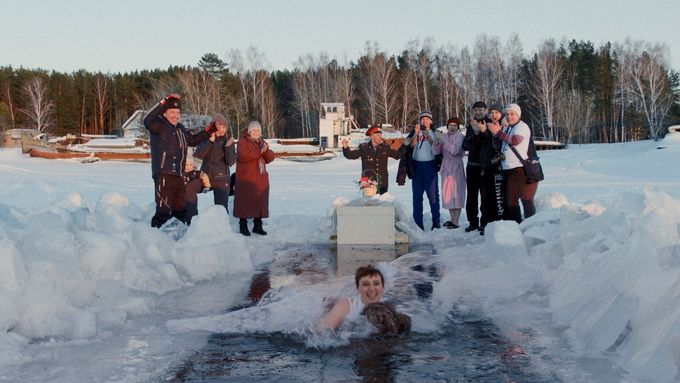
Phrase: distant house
[133,127]
[11,138]
[333,123]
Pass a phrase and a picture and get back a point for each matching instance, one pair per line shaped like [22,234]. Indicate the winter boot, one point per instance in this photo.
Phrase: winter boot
[243,227]
[257,229]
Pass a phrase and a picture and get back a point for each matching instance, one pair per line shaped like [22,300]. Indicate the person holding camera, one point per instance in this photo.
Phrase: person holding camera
[452,171]
[373,155]
[473,145]
[422,169]
[251,195]
[491,180]
[169,140]
[517,135]
[218,153]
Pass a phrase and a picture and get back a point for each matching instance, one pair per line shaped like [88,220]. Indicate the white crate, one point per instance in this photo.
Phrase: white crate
[365,225]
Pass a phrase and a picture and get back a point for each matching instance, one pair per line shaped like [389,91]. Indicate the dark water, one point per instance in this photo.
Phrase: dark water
[464,349]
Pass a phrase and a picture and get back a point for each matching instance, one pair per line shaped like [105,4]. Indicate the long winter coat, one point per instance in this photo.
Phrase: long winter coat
[452,170]
[169,143]
[251,194]
[217,158]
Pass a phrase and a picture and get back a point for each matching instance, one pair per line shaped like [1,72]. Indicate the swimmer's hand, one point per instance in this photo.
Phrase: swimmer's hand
[333,319]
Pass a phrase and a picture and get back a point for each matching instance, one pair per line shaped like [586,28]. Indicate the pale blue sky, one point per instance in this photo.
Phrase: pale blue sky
[124,35]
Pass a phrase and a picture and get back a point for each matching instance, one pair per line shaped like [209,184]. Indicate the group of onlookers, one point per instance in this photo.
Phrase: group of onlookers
[493,180]
[177,183]
[497,141]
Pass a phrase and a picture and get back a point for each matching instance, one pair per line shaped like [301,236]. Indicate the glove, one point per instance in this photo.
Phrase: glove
[211,128]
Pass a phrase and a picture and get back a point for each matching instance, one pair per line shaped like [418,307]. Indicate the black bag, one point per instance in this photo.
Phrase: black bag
[532,167]
[533,171]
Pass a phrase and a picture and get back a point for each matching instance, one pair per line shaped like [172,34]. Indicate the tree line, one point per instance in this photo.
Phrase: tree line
[569,91]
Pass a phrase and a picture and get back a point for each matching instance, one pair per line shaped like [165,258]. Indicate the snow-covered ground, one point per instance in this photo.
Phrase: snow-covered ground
[87,288]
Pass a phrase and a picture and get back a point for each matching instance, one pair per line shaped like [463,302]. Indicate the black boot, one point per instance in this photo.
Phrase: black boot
[257,229]
[243,227]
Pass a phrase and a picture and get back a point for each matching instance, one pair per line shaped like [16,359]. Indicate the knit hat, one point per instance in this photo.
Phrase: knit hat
[515,108]
[375,128]
[453,120]
[425,113]
[220,120]
[479,104]
[497,107]
[172,103]
[252,125]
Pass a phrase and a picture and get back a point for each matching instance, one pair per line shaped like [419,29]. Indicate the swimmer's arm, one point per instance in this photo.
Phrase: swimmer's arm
[333,319]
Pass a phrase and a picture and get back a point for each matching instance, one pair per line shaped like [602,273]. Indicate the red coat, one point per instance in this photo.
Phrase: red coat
[251,193]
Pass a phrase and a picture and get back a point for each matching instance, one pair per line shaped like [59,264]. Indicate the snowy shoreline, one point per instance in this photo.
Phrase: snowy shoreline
[82,273]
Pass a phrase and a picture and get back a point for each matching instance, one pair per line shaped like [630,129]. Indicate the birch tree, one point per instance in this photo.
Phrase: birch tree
[651,86]
[39,109]
[102,100]
[548,69]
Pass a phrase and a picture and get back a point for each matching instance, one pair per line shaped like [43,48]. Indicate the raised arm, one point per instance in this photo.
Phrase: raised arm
[153,121]
[333,319]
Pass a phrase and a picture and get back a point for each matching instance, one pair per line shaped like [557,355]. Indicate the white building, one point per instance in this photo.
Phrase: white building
[333,123]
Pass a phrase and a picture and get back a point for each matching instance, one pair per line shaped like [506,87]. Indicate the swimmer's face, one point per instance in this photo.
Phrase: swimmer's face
[371,289]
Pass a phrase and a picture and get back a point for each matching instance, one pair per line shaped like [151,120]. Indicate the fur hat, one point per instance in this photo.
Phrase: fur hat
[515,108]
[252,125]
[375,128]
[479,104]
[220,120]
[497,107]
[453,120]
[172,103]
[425,113]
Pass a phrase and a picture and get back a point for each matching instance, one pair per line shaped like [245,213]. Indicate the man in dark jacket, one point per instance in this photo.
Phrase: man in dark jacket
[169,140]
[491,179]
[473,170]
[373,155]
[218,154]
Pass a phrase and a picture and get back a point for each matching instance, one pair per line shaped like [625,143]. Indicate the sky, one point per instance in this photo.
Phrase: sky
[127,35]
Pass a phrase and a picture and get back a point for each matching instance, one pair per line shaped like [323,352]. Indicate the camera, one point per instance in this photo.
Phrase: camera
[484,119]
[496,160]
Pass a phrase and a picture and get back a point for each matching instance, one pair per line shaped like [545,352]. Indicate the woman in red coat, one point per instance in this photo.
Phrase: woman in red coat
[251,193]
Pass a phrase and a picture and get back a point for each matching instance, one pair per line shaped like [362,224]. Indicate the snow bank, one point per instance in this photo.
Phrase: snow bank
[69,273]
[610,273]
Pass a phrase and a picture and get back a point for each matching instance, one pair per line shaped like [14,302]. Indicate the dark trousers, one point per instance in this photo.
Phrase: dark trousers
[169,196]
[473,176]
[513,180]
[221,192]
[191,190]
[528,194]
[425,180]
[492,200]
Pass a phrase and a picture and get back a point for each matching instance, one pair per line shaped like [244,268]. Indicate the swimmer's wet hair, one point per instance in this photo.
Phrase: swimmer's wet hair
[364,271]
[386,319]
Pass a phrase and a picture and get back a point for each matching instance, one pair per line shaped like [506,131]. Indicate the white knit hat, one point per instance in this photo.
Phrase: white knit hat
[515,108]
[252,125]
